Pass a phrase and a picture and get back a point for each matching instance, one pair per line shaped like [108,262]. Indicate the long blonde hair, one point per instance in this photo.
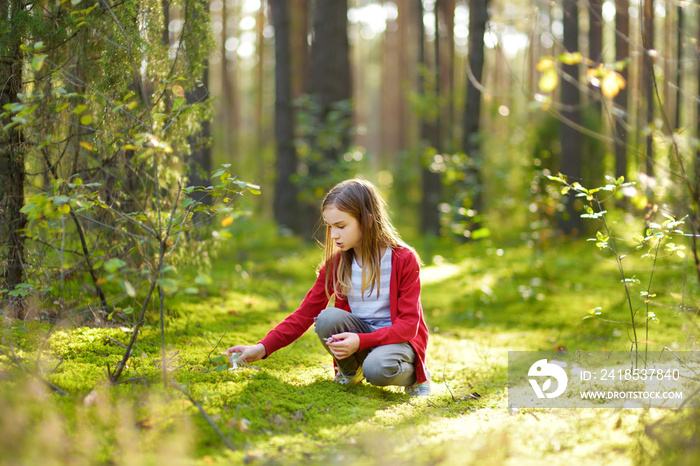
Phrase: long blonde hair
[362,201]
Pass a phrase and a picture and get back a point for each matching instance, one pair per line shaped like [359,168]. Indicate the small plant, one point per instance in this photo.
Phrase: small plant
[659,239]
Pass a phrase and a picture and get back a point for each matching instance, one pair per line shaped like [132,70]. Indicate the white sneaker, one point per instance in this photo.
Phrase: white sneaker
[418,389]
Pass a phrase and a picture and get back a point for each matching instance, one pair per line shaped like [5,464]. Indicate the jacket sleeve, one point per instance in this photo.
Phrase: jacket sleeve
[408,315]
[300,320]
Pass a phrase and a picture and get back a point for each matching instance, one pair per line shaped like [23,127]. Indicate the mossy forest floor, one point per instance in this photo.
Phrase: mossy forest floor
[481,300]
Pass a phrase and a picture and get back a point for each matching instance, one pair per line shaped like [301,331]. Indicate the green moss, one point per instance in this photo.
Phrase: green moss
[480,301]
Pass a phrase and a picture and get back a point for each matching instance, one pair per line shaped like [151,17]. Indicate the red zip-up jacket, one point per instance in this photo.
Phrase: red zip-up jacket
[407,322]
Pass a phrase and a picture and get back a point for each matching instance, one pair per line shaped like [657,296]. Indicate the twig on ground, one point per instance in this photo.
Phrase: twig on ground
[35,373]
[205,415]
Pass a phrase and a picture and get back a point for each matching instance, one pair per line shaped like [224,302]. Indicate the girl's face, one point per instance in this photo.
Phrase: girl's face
[345,229]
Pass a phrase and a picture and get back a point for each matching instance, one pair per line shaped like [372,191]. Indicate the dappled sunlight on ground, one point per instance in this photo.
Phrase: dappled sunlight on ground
[437,273]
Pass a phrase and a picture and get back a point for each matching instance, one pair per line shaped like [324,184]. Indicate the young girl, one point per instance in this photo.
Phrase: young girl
[376,329]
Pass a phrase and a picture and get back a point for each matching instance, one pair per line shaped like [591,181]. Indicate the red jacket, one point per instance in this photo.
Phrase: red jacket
[407,323]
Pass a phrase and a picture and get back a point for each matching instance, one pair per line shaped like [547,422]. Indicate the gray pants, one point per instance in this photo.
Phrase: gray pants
[382,365]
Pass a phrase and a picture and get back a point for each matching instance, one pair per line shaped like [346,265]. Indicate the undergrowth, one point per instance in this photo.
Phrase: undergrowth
[481,300]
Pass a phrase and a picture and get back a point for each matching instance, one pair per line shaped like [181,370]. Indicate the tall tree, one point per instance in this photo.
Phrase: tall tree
[285,204]
[622,31]
[330,106]
[595,46]
[260,77]
[299,40]
[471,122]
[200,161]
[330,80]
[679,60]
[648,81]
[430,128]
[12,171]
[571,113]
[447,10]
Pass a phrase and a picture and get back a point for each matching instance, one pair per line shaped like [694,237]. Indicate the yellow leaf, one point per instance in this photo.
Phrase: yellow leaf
[571,58]
[86,120]
[64,209]
[549,80]
[87,146]
[612,83]
[227,221]
[178,91]
[545,63]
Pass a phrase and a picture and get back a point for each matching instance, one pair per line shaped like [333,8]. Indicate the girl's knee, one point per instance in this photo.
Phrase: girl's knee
[380,373]
[327,319]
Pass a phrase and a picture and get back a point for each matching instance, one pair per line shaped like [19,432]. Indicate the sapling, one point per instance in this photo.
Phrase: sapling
[656,235]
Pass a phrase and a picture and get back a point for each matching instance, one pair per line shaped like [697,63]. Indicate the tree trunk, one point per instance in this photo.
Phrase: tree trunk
[695,215]
[595,47]
[471,144]
[12,172]
[330,80]
[620,101]
[200,151]
[648,83]
[286,207]
[447,9]
[260,79]
[329,85]
[571,112]
[679,60]
[299,45]
[430,216]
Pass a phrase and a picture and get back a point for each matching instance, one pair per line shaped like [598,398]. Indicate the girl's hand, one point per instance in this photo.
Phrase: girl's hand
[248,353]
[345,344]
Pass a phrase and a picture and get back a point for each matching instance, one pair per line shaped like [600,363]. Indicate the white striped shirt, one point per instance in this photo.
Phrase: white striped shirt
[373,309]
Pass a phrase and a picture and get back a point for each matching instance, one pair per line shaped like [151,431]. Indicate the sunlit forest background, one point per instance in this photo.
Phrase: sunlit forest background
[460,111]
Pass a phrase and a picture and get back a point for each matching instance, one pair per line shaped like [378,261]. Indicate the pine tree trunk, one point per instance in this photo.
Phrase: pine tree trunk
[620,102]
[429,214]
[571,113]
[595,46]
[286,207]
[471,145]
[648,82]
[12,172]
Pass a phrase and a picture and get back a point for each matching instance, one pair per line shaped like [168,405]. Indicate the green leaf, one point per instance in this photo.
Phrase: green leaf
[114,264]
[129,288]
[80,108]
[203,280]
[86,120]
[38,62]
[168,285]
[253,188]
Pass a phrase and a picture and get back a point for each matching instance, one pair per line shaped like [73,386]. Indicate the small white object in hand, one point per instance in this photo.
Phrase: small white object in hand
[233,359]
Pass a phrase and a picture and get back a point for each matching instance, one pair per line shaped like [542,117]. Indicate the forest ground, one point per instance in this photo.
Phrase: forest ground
[480,302]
